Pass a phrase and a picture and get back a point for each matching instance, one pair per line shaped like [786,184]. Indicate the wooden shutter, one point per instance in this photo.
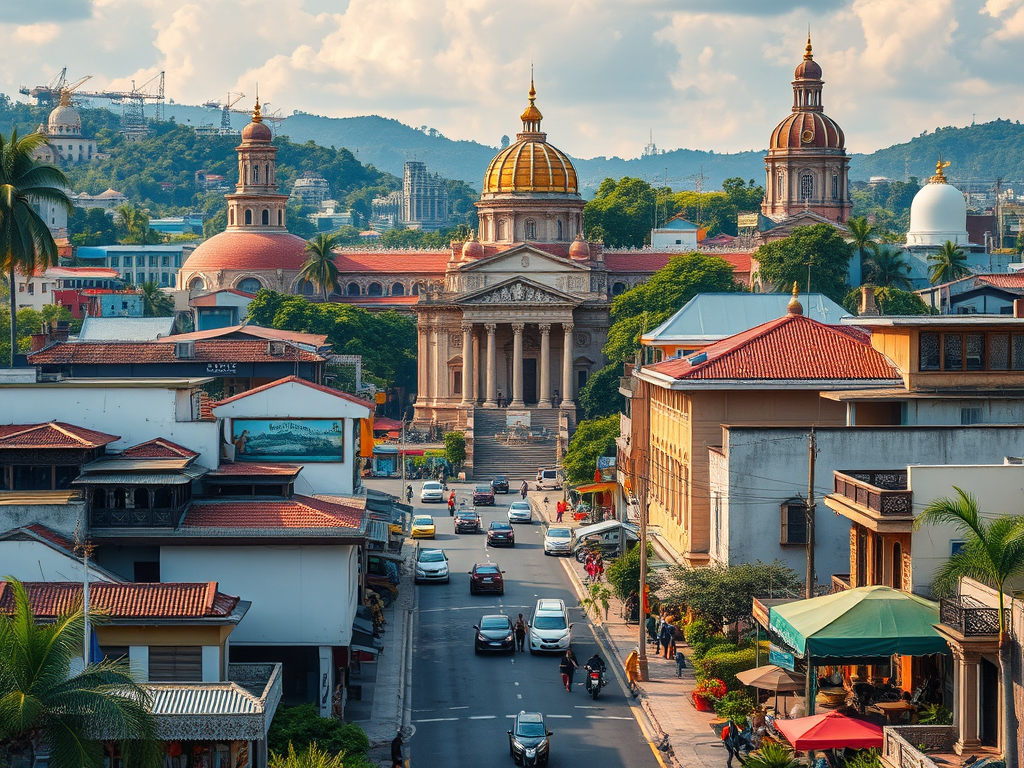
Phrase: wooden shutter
[176,663]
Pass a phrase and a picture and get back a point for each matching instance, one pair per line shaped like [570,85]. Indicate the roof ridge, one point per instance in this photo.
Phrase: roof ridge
[211,595]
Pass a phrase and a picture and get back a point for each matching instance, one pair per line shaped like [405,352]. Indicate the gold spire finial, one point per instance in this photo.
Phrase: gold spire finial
[807,51]
[533,91]
[939,177]
[795,307]
[257,115]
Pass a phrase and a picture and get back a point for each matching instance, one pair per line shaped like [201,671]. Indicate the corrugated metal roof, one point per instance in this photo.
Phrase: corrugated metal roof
[125,328]
[709,317]
[137,465]
[377,530]
[133,478]
[205,699]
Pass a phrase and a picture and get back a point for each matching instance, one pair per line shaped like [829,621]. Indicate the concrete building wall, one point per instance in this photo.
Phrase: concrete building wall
[301,594]
[767,465]
[60,517]
[35,561]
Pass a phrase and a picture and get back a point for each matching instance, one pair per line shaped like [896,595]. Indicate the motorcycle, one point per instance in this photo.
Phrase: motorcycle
[595,682]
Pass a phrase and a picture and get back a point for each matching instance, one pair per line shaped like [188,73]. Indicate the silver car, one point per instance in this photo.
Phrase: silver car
[558,541]
[432,565]
[520,512]
[432,491]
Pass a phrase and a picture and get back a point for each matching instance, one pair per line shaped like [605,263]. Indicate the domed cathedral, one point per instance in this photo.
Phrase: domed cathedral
[256,250]
[65,142]
[807,167]
[519,324]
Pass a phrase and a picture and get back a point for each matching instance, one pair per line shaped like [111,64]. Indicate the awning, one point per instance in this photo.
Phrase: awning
[859,623]
[592,487]
[377,530]
[382,424]
[830,731]
[362,633]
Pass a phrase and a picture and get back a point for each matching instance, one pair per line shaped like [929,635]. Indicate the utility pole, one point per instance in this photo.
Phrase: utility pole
[401,454]
[999,209]
[812,452]
[84,548]
[641,499]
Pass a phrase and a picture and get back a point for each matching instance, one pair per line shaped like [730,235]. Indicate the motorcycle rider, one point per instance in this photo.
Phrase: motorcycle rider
[596,664]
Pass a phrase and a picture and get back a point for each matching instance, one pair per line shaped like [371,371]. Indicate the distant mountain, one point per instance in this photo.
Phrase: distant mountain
[978,152]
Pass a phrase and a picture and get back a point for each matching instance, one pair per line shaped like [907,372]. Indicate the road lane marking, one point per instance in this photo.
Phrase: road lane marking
[603,717]
[583,707]
[519,695]
[561,717]
[458,707]
[482,717]
[438,720]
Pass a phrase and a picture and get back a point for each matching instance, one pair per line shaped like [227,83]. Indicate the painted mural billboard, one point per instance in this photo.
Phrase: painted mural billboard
[289,439]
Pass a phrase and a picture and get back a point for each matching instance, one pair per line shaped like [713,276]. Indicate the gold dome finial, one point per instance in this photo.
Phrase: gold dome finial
[939,177]
[531,117]
[807,51]
[257,115]
[795,307]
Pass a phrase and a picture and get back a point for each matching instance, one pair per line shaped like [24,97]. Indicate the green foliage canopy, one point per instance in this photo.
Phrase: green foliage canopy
[722,594]
[784,262]
[455,448]
[593,439]
[890,301]
[301,726]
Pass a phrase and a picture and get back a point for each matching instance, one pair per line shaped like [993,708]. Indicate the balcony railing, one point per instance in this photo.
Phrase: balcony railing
[900,745]
[134,518]
[881,491]
[968,617]
[841,582]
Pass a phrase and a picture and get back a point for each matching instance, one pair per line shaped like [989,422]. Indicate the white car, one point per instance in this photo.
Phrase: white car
[432,565]
[548,480]
[550,629]
[520,512]
[432,491]
[558,541]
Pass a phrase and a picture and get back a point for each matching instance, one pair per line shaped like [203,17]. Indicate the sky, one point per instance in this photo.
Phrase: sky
[701,74]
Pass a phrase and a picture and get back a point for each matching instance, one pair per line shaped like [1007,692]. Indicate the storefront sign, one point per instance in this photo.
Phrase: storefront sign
[780,658]
[222,369]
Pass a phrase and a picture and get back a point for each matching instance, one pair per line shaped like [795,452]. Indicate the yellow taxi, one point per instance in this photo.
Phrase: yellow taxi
[422,527]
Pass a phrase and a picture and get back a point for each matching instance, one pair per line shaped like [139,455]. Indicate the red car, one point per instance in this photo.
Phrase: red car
[483,495]
[500,534]
[486,577]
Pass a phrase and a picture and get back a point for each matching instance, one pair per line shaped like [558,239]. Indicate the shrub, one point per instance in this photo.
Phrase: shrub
[735,706]
[724,662]
[703,647]
[935,714]
[455,448]
[772,755]
[863,758]
[623,574]
[710,688]
[698,630]
[302,726]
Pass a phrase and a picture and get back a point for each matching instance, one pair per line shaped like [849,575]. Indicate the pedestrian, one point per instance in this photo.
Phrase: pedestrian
[632,607]
[520,630]
[501,399]
[567,666]
[671,652]
[666,636]
[560,510]
[680,662]
[396,751]
[598,567]
[652,628]
[633,670]
[451,504]
[523,489]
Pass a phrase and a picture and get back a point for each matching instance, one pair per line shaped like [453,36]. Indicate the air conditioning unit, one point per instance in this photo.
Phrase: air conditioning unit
[276,348]
[184,350]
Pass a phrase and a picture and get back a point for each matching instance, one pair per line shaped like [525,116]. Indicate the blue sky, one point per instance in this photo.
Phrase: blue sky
[705,75]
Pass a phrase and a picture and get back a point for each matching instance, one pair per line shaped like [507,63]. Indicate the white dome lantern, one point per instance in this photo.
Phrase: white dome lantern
[938,213]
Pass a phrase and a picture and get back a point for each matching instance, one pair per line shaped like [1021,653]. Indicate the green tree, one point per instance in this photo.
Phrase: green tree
[155,302]
[320,269]
[887,267]
[820,247]
[862,239]
[42,701]
[624,210]
[593,439]
[133,225]
[455,448]
[949,264]
[890,301]
[648,305]
[302,726]
[26,245]
[599,396]
[993,553]
[722,594]
[91,227]
[623,573]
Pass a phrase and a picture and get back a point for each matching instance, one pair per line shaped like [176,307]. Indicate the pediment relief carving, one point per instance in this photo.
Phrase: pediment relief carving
[517,292]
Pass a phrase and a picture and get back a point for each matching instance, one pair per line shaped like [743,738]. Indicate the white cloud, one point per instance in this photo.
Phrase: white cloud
[709,76]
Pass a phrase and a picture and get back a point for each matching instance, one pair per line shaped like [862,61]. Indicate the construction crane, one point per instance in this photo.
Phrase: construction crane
[49,94]
[225,108]
[133,102]
[274,118]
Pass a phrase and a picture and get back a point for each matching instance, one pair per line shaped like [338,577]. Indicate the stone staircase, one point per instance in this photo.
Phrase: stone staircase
[492,456]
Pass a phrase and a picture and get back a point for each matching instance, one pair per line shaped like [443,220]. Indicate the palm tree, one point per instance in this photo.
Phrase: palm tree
[993,553]
[155,303]
[860,237]
[26,244]
[133,224]
[887,268]
[950,263]
[42,702]
[320,269]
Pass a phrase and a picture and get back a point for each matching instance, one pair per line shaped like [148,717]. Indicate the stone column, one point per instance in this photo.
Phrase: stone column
[567,348]
[967,700]
[467,363]
[423,363]
[492,368]
[479,369]
[517,365]
[544,399]
[439,365]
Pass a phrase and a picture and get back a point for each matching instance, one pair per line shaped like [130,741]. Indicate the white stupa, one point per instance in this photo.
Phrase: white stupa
[938,213]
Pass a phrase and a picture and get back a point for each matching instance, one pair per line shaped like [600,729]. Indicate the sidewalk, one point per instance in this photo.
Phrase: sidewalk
[682,734]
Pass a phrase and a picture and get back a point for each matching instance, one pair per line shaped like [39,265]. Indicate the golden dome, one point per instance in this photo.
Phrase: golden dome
[531,164]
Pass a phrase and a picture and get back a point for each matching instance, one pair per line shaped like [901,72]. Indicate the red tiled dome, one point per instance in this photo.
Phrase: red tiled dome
[257,132]
[807,69]
[808,130]
[236,249]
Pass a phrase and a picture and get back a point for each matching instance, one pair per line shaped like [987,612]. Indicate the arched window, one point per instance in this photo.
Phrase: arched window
[306,288]
[897,566]
[196,284]
[531,229]
[806,187]
[415,289]
[618,288]
[560,236]
[250,285]
[398,289]
[835,186]
[120,497]
[280,218]
[248,216]
[352,289]
[266,217]
[266,173]
[375,289]
[879,560]
[255,174]
[231,217]
[502,229]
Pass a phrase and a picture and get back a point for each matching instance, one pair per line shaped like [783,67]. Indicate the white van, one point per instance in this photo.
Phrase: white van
[548,480]
[550,630]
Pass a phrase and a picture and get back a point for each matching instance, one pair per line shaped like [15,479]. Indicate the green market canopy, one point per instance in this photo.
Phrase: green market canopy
[859,623]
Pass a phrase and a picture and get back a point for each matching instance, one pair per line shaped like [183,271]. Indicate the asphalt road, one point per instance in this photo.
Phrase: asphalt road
[463,704]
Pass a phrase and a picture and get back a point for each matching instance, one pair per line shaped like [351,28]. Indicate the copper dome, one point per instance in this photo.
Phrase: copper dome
[240,250]
[808,130]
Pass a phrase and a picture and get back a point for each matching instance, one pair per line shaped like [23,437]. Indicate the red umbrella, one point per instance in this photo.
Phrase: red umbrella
[830,731]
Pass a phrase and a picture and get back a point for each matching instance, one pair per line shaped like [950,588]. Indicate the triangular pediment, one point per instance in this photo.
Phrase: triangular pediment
[520,258]
[518,290]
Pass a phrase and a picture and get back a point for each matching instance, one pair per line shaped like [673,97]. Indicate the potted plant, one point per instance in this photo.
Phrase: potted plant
[707,693]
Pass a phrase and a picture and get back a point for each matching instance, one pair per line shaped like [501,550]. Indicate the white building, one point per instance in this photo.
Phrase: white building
[677,234]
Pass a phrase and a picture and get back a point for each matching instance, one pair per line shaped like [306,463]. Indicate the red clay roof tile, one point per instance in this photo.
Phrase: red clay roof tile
[125,601]
[142,352]
[298,512]
[55,434]
[254,469]
[158,448]
[793,347]
[392,262]
[233,332]
[303,382]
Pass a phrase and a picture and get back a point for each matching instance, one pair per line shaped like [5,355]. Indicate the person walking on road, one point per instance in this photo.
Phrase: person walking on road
[451,504]
[396,751]
[633,670]
[520,630]
[560,510]
[523,489]
[567,666]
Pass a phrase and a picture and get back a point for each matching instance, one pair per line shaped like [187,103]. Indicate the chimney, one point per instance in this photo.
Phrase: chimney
[868,308]
[38,341]
[60,330]
[1018,307]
